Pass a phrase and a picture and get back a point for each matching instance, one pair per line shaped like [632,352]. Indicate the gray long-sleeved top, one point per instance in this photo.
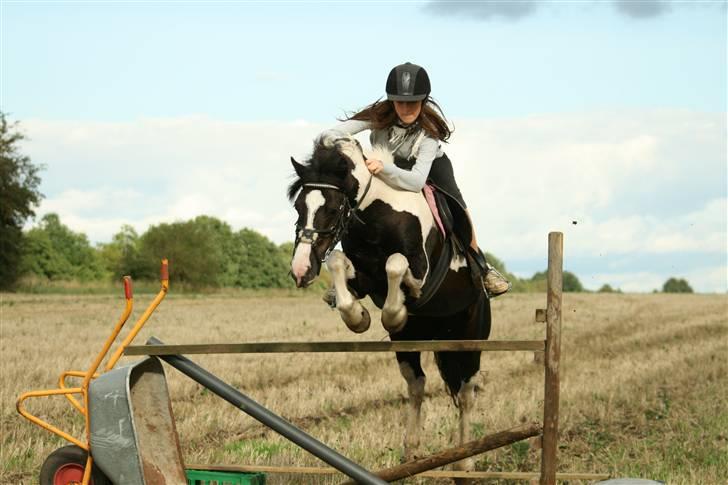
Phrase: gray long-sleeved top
[402,142]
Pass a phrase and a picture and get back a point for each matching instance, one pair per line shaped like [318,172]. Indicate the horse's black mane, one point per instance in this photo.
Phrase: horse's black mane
[326,165]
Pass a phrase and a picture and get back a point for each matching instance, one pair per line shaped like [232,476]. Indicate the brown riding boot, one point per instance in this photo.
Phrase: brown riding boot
[495,282]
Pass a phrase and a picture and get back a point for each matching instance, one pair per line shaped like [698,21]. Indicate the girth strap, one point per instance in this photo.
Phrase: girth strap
[436,277]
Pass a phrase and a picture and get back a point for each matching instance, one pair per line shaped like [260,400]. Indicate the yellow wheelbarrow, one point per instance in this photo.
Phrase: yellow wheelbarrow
[130,434]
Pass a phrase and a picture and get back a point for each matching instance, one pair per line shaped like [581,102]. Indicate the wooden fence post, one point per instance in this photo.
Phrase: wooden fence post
[552,358]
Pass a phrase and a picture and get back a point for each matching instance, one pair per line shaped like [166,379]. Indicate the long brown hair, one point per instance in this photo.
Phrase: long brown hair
[382,115]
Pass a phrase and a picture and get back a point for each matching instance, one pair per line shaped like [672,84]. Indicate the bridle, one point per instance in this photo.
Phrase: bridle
[347,212]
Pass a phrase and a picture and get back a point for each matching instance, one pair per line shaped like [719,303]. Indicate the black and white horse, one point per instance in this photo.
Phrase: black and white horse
[391,249]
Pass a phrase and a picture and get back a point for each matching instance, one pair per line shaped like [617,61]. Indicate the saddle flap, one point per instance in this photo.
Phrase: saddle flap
[442,210]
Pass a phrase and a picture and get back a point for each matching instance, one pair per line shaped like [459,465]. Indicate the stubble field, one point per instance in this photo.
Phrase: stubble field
[644,382]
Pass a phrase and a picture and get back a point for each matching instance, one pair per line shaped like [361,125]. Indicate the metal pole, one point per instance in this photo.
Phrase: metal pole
[552,358]
[268,418]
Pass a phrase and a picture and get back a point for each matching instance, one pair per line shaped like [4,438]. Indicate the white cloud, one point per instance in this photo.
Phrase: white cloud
[709,279]
[154,170]
[703,230]
[635,182]
[524,177]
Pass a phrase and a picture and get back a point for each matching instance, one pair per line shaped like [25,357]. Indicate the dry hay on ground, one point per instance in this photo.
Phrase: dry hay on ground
[643,387]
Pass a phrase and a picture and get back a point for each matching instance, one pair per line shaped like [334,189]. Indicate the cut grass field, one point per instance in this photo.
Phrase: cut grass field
[644,383]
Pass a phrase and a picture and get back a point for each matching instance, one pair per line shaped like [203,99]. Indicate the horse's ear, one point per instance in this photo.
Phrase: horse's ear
[298,167]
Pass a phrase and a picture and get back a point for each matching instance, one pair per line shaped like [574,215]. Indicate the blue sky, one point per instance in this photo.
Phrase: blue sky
[619,106]
[281,61]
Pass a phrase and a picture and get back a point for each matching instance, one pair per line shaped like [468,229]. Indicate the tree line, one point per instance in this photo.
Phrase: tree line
[204,252]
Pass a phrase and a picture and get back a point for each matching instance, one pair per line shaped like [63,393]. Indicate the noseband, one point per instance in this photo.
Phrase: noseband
[346,213]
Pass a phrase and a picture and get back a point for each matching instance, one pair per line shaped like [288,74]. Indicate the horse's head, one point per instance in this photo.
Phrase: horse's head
[323,194]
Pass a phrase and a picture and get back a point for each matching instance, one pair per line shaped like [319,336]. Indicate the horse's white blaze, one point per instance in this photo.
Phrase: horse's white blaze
[301,262]
[314,201]
[458,261]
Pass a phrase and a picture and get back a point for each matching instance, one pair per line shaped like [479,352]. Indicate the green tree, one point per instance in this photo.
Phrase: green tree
[264,265]
[41,258]
[54,251]
[19,196]
[605,288]
[570,282]
[233,253]
[121,256]
[205,252]
[194,256]
[676,285]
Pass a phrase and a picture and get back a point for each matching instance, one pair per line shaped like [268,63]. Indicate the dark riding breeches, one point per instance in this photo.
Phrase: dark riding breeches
[442,176]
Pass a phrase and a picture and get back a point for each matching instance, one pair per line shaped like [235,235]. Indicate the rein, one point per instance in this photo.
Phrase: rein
[346,213]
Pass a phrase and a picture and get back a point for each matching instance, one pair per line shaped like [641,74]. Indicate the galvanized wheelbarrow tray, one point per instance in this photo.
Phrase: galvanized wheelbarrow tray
[133,435]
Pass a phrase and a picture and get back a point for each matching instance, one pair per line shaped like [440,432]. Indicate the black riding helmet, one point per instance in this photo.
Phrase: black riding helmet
[408,82]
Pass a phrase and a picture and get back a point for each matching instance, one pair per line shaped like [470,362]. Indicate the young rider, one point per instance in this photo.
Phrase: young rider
[411,125]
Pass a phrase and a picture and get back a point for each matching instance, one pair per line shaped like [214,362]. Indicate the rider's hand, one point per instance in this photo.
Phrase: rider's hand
[375,166]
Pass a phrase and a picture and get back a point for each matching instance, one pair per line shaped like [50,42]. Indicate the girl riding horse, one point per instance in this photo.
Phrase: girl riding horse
[411,125]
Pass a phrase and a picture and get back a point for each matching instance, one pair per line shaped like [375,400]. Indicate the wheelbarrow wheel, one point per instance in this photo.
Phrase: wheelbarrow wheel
[66,465]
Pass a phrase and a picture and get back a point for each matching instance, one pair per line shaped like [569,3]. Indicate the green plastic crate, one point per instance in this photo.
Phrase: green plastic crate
[211,477]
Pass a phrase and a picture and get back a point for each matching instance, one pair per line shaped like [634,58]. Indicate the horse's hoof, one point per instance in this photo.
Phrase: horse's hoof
[394,323]
[466,464]
[363,324]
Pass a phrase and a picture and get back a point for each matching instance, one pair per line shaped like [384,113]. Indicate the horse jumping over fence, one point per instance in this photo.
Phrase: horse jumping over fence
[394,252]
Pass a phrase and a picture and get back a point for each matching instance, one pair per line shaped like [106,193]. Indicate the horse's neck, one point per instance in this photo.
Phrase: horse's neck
[403,201]
[380,190]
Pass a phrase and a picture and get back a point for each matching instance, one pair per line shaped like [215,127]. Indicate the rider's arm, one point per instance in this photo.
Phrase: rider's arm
[415,178]
[343,129]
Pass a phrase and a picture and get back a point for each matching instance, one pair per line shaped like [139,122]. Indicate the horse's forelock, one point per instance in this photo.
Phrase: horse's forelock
[329,160]
[326,165]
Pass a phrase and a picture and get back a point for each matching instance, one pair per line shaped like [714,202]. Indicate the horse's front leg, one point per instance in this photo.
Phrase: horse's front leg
[394,313]
[352,312]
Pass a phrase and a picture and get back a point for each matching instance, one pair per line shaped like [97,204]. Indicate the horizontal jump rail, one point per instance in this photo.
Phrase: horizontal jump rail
[451,455]
[383,346]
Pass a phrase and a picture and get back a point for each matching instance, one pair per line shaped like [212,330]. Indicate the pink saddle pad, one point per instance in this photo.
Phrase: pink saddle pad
[429,192]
